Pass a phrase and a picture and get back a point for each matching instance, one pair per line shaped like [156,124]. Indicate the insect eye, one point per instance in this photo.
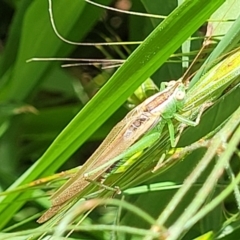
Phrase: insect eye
[180,95]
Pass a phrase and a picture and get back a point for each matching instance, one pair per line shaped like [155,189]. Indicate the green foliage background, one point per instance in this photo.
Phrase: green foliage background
[43,113]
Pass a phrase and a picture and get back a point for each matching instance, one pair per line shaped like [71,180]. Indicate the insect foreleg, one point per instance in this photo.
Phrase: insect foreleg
[187,122]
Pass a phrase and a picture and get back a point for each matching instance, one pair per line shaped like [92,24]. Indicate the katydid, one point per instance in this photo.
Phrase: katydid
[157,110]
[123,140]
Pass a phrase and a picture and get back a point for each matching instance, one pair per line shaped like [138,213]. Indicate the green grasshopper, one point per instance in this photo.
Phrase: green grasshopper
[126,138]
[155,111]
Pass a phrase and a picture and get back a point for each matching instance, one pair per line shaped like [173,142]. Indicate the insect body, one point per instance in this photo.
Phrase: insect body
[156,110]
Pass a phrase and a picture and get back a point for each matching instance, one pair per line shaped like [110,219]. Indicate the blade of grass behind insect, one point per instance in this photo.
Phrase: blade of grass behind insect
[227,43]
[163,41]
